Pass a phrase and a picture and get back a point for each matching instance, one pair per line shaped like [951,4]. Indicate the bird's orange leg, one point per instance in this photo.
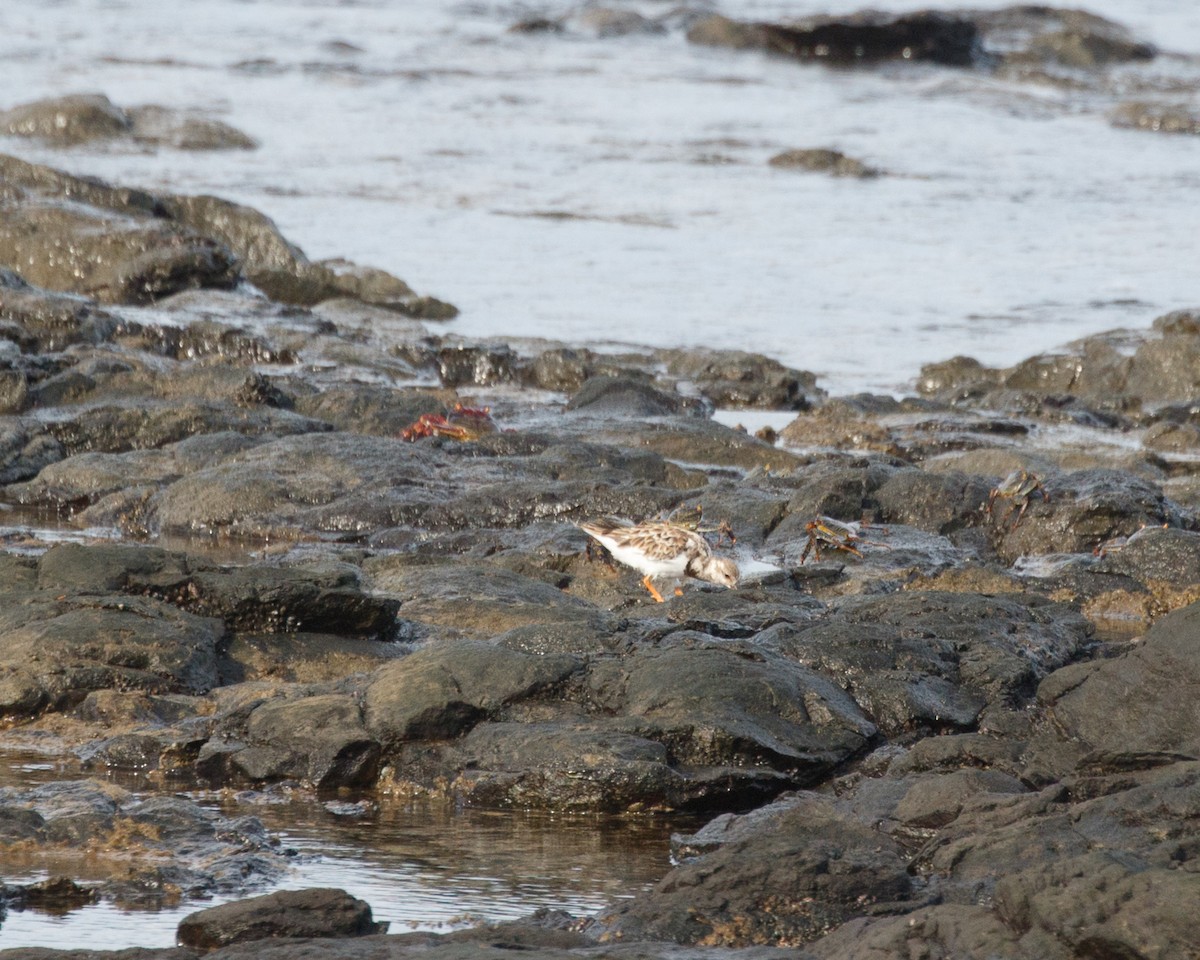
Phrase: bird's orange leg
[653,590]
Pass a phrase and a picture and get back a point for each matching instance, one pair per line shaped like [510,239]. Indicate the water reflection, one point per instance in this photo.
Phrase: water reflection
[421,865]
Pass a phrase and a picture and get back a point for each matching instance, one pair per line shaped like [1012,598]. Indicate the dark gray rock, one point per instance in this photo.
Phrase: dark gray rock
[734,378]
[319,740]
[1128,709]
[625,397]
[861,38]
[934,660]
[814,869]
[1084,509]
[315,912]
[445,689]
[58,647]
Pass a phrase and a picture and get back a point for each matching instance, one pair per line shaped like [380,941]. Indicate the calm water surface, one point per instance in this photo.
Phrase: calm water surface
[421,865]
[424,138]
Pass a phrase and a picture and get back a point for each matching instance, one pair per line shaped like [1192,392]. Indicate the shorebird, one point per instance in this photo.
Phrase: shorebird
[661,549]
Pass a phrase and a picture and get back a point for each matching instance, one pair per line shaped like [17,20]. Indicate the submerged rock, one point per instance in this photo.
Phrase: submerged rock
[823,160]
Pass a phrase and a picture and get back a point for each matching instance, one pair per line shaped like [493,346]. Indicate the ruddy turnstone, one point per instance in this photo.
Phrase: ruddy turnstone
[660,549]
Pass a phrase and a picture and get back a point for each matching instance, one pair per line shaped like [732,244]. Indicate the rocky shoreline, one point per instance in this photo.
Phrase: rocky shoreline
[948,710]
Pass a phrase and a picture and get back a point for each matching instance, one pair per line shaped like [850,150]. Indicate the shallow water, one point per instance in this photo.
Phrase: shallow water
[420,865]
[617,189]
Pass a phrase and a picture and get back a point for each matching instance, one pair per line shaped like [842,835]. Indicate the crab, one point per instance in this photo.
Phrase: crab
[825,533]
[462,423]
[1019,487]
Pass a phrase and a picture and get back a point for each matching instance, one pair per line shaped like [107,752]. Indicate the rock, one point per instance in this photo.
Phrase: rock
[111,257]
[1085,509]
[372,285]
[57,648]
[182,131]
[624,397]
[444,690]
[473,600]
[867,37]
[1156,117]
[612,22]
[68,120]
[722,705]
[1156,554]
[143,851]
[814,869]
[734,379]
[1131,708]
[313,912]
[968,653]
[319,740]
[47,321]
[822,160]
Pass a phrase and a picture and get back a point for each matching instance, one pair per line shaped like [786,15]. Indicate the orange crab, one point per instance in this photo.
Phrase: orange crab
[462,423]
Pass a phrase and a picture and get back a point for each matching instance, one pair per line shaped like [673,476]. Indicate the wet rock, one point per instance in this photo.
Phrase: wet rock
[938,502]
[844,490]
[25,450]
[111,257]
[733,378]
[812,870]
[688,441]
[1089,49]
[144,852]
[559,767]
[327,597]
[823,160]
[1084,509]
[613,22]
[860,38]
[466,365]
[1156,554]
[958,375]
[1091,701]
[935,660]
[834,426]
[1156,117]
[302,656]
[366,408]
[473,600]
[375,286]
[444,690]
[318,740]
[57,648]
[45,321]
[289,913]
[759,709]
[69,120]
[183,131]
[622,396]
